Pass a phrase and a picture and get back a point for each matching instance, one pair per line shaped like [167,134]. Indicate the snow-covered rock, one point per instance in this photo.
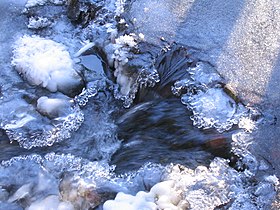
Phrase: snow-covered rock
[46,63]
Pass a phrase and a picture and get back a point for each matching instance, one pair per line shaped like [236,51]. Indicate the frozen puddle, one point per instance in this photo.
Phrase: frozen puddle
[110,121]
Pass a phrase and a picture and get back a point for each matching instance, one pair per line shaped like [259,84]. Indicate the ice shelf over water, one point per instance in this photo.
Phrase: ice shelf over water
[78,183]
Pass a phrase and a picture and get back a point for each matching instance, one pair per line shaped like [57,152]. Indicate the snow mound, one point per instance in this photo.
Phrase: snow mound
[161,196]
[45,63]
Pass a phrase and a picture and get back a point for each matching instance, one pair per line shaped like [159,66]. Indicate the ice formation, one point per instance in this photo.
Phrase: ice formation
[51,202]
[33,3]
[119,7]
[247,124]
[213,108]
[29,128]
[59,129]
[46,63]
[121,55]
[89,92]
[66,182]
[53,107]
[39,185]
[130,77]
[38,23]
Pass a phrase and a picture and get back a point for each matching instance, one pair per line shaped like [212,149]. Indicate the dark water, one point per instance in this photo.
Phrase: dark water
[158,128]
[161,131]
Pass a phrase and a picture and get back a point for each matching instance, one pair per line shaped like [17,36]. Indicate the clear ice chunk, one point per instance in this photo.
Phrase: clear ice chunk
[213,109]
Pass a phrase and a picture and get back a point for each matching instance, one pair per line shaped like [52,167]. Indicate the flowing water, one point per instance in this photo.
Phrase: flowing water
[95,115]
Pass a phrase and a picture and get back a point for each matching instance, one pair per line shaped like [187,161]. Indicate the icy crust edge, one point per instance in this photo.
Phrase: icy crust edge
[212,107]
[62,128]
[74,182]
[78,182]
[153,186]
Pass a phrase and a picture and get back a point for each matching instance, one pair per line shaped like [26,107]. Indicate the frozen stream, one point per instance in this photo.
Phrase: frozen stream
[105,105]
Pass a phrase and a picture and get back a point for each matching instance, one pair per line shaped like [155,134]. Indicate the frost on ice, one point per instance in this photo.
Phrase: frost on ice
[46,63]
[217,186]
[212,107]
[121,55]
[53,182]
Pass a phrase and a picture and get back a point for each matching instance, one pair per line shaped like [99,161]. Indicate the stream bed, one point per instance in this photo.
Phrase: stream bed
[115,105]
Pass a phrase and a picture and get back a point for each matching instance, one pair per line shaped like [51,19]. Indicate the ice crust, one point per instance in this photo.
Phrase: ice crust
[53,107]
[40,184]
[66,180]
[212,107]
[128,79]
[161,196]
[59,129]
